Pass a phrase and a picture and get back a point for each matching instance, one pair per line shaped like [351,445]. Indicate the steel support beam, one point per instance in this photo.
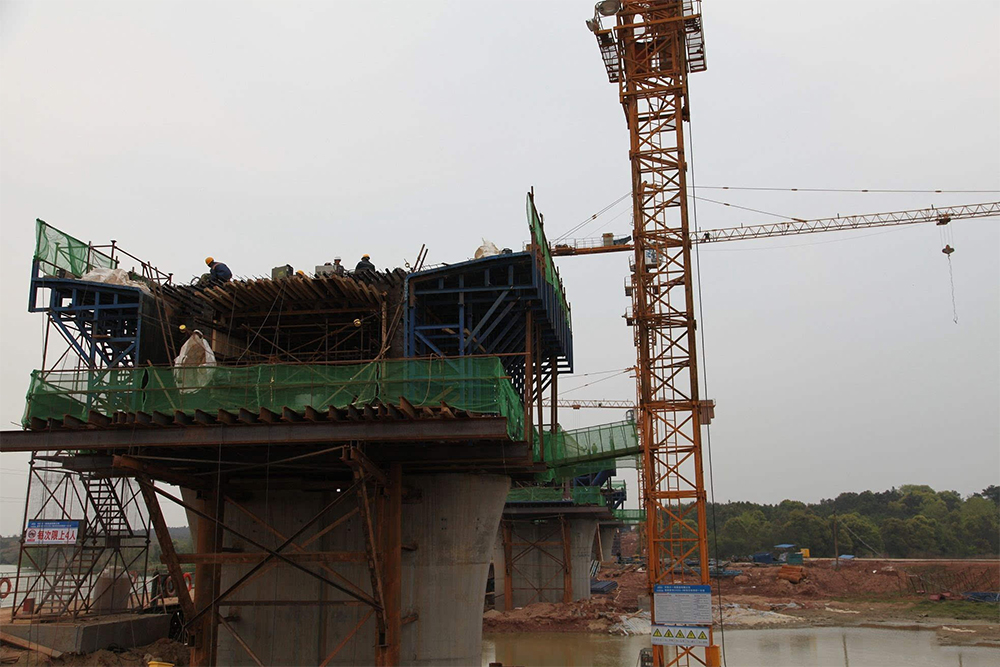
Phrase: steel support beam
[430,430]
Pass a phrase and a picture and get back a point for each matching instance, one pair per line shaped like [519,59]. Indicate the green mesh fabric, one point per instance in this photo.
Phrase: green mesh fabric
[580,495]
[539,241]
[56,250]
[477,385]
[630,516]
[592,445]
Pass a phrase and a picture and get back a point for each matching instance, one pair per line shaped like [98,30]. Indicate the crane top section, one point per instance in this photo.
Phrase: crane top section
[644,18]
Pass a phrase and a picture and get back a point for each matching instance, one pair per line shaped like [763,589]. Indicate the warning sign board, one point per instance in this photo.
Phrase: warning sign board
[679,635]
[681,604]
[41,532]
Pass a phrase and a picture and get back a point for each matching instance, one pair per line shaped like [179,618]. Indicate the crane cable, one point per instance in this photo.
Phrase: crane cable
[592,217]
[947,238]
[704,373]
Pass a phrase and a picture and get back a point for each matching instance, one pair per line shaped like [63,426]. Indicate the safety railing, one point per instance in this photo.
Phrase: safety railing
[474,384]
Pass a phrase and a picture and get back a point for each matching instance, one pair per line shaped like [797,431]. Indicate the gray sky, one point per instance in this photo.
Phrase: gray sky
[273,133]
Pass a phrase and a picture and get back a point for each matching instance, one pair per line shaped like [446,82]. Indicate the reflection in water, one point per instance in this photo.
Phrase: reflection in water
[815,647]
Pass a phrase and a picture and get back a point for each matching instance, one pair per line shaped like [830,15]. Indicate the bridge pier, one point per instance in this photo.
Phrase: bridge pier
[545,558]
[606,533]
[285,616]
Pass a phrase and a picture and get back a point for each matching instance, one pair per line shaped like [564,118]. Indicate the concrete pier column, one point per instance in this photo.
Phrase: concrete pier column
[449,524]
[538,552]
[607,532]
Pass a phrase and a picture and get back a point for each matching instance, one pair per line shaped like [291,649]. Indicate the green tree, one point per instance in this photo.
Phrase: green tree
[992,493]
[895,537]
[863,534]
[980,526]
[807,530]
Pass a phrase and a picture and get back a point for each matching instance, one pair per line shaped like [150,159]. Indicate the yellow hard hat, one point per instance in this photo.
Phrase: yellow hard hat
[365,256]
[209,260]
[300,273]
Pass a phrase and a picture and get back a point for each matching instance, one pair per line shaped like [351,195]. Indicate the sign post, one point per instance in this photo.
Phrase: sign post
[683,615]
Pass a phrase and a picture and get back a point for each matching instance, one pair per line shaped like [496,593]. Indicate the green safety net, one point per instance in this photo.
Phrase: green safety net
[587,450]
[56,250]
[539,241]
[580,495]
[630,516]
[476,384]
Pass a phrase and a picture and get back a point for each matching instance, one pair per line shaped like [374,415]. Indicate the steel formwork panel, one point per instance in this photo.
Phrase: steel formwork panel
[478,307]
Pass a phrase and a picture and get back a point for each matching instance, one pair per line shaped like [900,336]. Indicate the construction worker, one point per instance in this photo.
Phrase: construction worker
[365,265]
[218,271]
[338,268]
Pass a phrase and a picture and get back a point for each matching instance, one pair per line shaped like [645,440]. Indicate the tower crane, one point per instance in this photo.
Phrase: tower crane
[649,50]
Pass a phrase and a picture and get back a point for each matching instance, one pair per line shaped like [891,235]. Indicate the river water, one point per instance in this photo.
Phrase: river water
[812,647]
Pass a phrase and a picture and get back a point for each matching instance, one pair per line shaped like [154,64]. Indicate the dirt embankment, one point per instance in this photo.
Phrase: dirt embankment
[164,650]
[864,593]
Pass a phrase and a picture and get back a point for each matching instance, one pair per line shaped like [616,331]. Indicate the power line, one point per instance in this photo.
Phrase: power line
[869,190]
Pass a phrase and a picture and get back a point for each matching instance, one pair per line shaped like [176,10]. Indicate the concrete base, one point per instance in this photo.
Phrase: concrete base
[537,570]
[87,636]
[453,527]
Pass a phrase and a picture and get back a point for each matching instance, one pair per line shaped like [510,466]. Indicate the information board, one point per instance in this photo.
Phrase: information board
[42,532]
[681,604]
[679,635]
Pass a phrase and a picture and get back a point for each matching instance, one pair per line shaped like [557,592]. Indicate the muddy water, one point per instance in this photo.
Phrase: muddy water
[813,647]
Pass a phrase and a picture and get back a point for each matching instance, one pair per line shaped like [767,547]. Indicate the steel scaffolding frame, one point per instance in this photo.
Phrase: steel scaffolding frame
[113,538]
[377,494]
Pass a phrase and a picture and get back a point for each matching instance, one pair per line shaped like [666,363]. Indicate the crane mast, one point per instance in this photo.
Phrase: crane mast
[657,44]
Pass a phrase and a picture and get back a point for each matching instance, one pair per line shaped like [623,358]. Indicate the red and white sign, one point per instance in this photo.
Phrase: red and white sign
[43,532]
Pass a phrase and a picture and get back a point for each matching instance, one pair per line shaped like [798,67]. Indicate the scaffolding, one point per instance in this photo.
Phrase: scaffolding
[85,543]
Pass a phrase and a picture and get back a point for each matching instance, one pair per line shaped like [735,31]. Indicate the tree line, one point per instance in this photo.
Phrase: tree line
[913,521]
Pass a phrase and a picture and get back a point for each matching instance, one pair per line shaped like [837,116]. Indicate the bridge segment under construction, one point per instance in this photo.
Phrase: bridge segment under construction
[344,446]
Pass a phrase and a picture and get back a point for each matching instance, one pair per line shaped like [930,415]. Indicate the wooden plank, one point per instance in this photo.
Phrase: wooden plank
[169,556]
[14,640]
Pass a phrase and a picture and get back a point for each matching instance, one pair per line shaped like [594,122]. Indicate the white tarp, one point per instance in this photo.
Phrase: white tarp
[487,250]
[113,277]
[194,364]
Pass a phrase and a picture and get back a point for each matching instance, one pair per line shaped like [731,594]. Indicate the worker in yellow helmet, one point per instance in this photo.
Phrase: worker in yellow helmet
[365,265]
[219,272]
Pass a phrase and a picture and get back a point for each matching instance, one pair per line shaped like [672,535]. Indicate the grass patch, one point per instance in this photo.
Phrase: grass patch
[964,610]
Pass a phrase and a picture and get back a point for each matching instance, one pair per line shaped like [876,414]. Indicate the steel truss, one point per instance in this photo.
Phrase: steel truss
[659,42]
[105,570]
[377,503]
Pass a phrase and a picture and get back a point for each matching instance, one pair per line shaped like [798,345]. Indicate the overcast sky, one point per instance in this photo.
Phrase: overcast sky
[272,133]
